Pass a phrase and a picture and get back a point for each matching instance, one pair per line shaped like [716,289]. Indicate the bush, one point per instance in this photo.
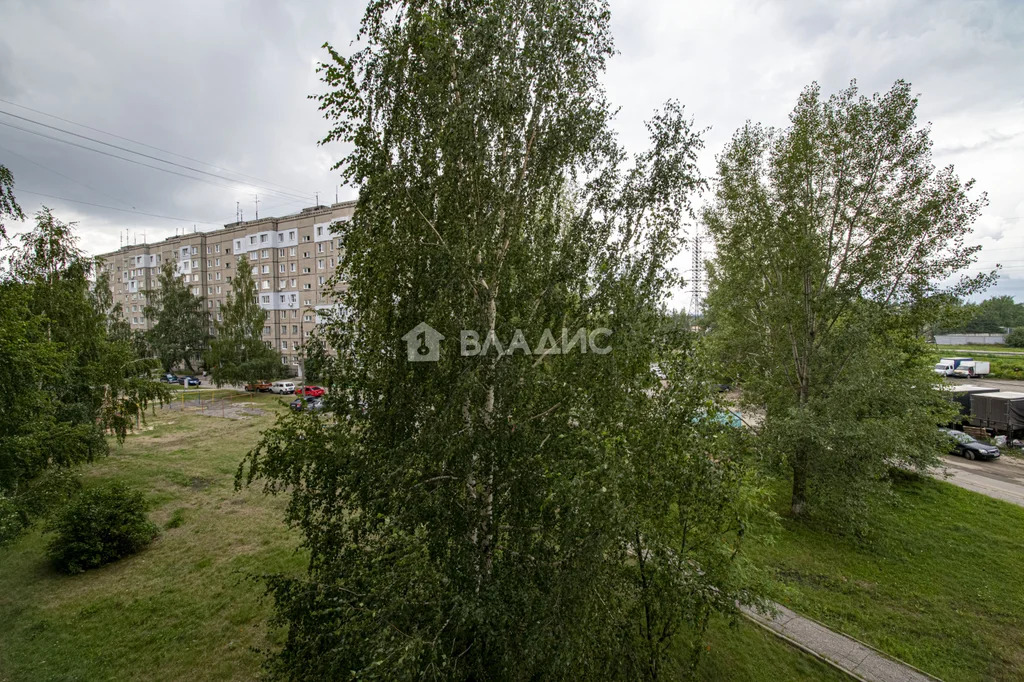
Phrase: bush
[104,524]
[1016,337]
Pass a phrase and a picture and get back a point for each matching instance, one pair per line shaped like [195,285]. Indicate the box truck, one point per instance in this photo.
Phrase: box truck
[946,366]
[1002,412]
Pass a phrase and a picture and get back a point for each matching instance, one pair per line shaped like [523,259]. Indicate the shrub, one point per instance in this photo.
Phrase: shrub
[104,524]
[1016,337]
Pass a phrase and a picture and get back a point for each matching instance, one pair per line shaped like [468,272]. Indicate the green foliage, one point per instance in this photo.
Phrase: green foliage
[8,206]
[993,316]
[65,379]
[512,516]
[1015,338]
[316,359]
[833,238]
[35,499]
[238,354]
[180,322]
[103,524]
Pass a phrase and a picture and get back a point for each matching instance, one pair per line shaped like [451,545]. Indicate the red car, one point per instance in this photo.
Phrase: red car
[310,391]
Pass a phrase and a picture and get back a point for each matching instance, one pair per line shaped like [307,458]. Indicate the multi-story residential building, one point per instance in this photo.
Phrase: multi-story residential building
[292,259]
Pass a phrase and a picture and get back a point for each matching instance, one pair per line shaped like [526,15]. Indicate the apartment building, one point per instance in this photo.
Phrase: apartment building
[292,258]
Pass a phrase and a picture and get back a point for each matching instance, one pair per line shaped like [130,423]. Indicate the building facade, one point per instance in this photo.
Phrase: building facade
[292,258]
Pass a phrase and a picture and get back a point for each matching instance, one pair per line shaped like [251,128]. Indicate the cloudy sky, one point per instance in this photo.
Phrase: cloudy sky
[223,86]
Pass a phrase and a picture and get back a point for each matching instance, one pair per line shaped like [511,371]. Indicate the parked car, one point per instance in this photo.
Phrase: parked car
[168,378]
[261,386]
[310,391]
[283,387]
[189,381]
[300,404]
[969,447]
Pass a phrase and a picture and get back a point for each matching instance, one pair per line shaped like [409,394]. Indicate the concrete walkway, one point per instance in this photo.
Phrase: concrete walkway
[858,660]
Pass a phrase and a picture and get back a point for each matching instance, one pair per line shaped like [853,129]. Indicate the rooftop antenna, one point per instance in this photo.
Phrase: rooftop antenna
[257,197]
[238,212]
[335,194]
[317,195]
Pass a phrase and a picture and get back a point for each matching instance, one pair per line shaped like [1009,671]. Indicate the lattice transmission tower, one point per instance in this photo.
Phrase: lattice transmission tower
[697,275]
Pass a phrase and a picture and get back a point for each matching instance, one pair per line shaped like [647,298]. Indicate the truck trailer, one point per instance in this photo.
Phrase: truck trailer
[999,412]
[961,394]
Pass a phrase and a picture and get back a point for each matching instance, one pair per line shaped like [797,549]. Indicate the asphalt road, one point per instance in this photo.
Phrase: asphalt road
[1001,384]
[1002,479]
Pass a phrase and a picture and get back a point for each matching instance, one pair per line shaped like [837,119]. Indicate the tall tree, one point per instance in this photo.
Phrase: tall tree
[180,332]
[66,381]
[834,238]
[238,354]
[504,514]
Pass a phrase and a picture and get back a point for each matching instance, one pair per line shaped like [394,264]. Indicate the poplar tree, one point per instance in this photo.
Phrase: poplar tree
[837,242]
[238,354]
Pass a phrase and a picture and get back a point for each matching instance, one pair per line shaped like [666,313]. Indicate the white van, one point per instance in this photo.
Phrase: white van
[283,387]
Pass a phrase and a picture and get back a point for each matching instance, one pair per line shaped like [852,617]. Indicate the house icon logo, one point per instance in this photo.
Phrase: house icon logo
[423,343]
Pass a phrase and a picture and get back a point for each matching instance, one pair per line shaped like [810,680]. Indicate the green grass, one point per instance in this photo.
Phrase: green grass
[972,348]
[185,608]
[940,587]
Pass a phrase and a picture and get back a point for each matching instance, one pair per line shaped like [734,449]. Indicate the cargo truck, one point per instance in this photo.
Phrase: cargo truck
[1001,412]
[946,366]
[961,394]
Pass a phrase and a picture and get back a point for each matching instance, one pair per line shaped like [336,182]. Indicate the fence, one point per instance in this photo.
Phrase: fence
[969,339]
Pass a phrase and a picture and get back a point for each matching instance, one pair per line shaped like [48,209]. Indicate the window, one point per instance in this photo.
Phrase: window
[284,360]
[305,254]
[217,249]
[265,299]
[195,278]
[220,316]
[209,303]
[305,271]
[291,251]
[263,238]
[207,249]
[266,284]
[280,268]
[291,235]
[339,243]
[307,318]
[320,248]
[320,281]
[306,238]
[252,239]
[295,329]
[307,286]
[217,262]
[280,237]
[292,268]
[209,290]
[320,264]
[305,301]
[266,330]
[195,291]
[195,264]
[284,329]
[264,253]
[218,287]
[228,251]
[293,281]
[284,345]
[209,277]
[266,269]
[218,278]
[195,250]
[330,262]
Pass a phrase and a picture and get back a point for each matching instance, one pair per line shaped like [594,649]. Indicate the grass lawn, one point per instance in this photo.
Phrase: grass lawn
[975,348]
[184,608]
[941,588]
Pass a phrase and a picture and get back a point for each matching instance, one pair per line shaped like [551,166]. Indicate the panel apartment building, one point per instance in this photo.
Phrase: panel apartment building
[292,257]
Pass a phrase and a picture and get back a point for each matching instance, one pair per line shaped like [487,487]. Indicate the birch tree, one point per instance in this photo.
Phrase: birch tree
[837,241]
[527,505]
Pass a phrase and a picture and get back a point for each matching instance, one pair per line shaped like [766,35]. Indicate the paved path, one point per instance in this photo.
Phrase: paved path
[859,660]
[1002,479]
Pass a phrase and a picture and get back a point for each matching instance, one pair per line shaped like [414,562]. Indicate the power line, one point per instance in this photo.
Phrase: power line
[67,177]
[132,151]
[149,146]
[115,156]
[115,208]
